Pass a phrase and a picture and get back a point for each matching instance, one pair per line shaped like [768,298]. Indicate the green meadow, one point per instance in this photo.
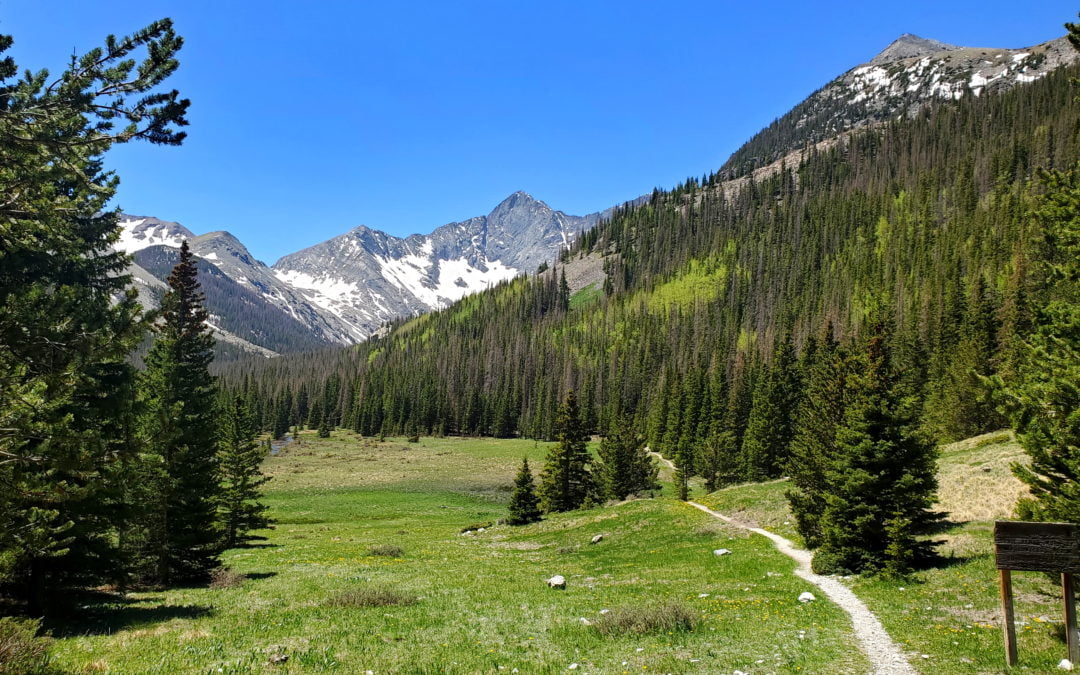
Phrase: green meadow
[368,569]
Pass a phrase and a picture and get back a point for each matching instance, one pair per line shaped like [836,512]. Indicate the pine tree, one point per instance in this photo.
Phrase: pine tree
[524,504]
[324,427]
[882,480]
[67,320]
[813,447]
[239,458]
[1044,400]
[566,482]
[625,467]
[719,460]
[180,428]
[767,443]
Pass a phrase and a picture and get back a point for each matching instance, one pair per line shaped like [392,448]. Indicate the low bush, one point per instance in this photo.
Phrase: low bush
[22,651]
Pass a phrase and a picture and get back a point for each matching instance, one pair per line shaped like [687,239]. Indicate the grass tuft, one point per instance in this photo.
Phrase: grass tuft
[663,618]
[387,550]
[372,597]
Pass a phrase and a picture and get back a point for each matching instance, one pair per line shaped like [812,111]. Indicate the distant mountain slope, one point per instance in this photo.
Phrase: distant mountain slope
[906,76]
[367,277]
[234,309]
[342,290]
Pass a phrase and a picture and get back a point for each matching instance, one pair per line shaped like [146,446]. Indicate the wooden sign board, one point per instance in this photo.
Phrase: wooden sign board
[1038,547]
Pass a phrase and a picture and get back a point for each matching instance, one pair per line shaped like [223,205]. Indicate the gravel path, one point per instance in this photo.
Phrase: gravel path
[884,654]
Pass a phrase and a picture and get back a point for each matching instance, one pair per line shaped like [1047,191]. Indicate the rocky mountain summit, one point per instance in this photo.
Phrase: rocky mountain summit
[342,290]
[909,74]
[366,277]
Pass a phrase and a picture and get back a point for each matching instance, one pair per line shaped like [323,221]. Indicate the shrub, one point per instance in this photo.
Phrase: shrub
[372,597]
[22,651]
[223,577]
[387,550]
[664,618]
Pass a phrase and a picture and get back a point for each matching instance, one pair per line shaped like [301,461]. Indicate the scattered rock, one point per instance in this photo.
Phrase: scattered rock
[721,551]
[573,666]
[703,595]
[605,611]
[597,539]
[279,658]
[585,622]
[558,581]
[1065,664]
[806,596]
[481,530]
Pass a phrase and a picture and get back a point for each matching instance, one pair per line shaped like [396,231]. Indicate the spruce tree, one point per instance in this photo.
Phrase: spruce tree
[566,482]
[524,504]
[813,447]
[239,458]
[719,460]
[324,427]
[882,480]
[67,319]
[180,428]
[1044,399]
[625,467]
[767,443]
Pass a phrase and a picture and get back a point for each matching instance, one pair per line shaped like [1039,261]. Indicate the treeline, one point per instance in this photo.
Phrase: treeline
[707,294]
[108,475]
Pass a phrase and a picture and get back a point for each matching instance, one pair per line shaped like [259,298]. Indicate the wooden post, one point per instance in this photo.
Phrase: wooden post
[1071,635]
[1008,618]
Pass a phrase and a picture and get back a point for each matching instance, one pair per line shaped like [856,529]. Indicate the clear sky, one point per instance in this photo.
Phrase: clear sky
[309,118]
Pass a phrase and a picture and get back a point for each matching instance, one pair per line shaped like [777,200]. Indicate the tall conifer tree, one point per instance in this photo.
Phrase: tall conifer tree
[181,433]
[882,479]
[240,458]
[567,481]
[67,322]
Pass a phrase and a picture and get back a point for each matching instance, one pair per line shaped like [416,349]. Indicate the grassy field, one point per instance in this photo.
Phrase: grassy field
[948,617]
[316,592]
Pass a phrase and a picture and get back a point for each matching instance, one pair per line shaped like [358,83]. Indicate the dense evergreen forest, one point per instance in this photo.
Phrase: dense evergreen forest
[709,291]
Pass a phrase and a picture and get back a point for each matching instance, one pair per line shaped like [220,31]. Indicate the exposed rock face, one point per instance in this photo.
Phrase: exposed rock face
[367,277]
[909,74]
[342,290]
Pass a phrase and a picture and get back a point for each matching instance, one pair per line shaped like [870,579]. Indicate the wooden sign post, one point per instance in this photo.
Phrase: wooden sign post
[1038,547]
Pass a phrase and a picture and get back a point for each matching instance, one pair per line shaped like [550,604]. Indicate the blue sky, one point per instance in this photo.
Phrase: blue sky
[309,118]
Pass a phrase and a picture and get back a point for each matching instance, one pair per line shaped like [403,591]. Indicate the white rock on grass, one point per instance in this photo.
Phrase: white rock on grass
[558,581]
[703,595]
[1065,664]
[806,596]
[597,539]
[573,666]
[585,622]
[721,551]
[605,611]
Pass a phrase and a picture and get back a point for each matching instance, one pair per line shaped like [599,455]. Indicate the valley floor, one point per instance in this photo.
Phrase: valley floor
[479,602]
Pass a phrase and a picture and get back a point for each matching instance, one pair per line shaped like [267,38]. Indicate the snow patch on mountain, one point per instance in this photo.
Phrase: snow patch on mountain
[137,233]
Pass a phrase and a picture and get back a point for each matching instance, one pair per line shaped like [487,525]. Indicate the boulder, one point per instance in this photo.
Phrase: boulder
[721,551]
[806,596]
[597,539]
[558,582]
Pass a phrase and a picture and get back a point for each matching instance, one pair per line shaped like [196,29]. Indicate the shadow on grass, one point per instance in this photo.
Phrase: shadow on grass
[101,613]
[260,575]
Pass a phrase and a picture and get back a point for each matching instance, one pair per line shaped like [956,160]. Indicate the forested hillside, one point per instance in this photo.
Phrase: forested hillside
[925,218]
